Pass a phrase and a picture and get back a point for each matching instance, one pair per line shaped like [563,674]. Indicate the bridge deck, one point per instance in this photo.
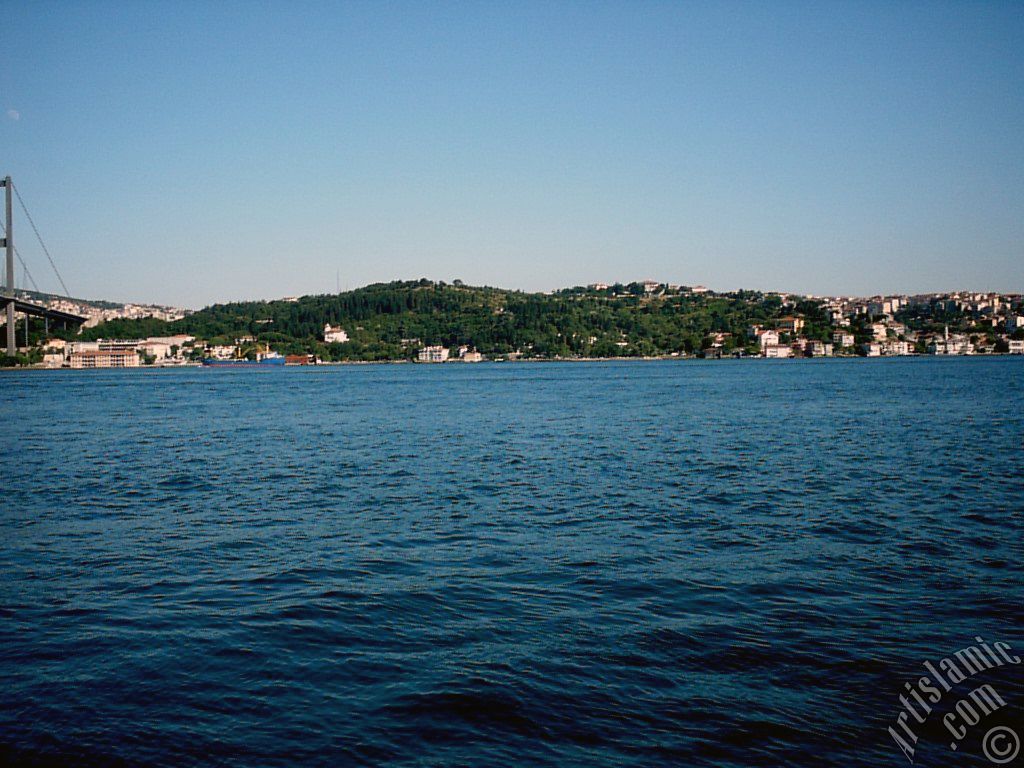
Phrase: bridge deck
[40,311]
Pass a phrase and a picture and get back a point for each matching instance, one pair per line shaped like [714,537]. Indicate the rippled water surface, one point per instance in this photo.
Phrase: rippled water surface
[609,564]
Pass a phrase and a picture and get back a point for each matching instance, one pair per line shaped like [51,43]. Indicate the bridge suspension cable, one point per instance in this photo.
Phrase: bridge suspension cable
[24,266]
[39,237]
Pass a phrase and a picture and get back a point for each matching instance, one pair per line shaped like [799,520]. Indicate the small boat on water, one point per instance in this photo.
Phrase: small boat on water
[262,360]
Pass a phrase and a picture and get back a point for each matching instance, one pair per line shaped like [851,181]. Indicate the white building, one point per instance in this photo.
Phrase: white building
[222,352]
[838,317]
[842,339]
[1016,346]
[107,358]
[178,340]
[768,339]
[334,335]
[435,354]
[950,347]
[155,349]
[777,351]
[895,348]
[871,349]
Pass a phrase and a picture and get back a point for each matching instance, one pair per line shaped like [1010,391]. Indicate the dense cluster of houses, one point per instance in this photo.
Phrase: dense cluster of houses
[994,319]
[100,312]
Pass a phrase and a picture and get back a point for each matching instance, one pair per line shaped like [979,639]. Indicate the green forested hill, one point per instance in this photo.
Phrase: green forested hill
[619,321]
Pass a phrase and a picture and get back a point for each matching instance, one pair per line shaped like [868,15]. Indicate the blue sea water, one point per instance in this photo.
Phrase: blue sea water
[726,563]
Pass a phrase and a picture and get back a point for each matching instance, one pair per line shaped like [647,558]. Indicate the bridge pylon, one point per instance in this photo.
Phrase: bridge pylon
[12,348]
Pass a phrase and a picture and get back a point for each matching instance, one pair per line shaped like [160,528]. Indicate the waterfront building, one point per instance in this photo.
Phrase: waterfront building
[1016,346]
[895,348]
[951,345]
[777,351]
[53,359]
[433,354]
[335,335]
[106,358]
[871,349]
[957,344]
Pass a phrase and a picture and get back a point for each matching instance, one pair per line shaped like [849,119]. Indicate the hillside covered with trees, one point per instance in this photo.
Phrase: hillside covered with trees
[390,321]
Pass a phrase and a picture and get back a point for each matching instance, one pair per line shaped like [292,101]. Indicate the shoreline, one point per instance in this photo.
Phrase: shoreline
[532,360]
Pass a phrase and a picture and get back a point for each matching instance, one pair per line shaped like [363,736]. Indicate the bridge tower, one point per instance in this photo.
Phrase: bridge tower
[8,242]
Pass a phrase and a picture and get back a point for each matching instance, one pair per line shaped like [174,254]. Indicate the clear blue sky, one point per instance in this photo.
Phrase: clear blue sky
[191,152]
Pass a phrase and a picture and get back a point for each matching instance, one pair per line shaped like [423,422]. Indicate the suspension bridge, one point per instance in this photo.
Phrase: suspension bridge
[9,302]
